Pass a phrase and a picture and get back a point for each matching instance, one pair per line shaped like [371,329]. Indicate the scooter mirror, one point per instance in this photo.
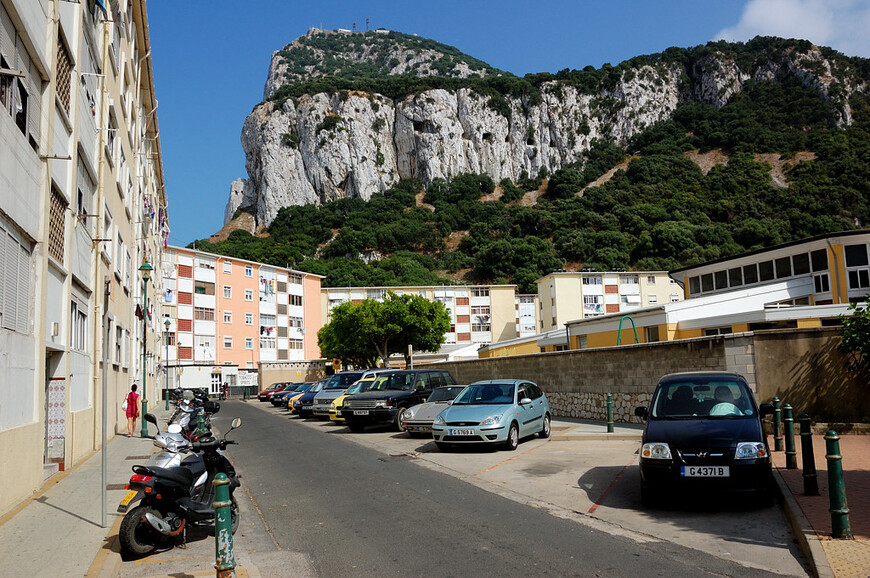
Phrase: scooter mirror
[237,422]
[150,418]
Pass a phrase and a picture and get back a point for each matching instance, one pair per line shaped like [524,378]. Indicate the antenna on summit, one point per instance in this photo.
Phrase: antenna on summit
[367,24]
[354,27]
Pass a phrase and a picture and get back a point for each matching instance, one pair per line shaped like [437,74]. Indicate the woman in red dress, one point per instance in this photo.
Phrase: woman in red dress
[132,410]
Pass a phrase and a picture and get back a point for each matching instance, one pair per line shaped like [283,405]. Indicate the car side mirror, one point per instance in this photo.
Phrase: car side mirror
[766,409]
[642,412]
[526,401]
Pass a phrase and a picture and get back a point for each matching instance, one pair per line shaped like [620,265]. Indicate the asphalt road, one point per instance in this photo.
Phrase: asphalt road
[357,511]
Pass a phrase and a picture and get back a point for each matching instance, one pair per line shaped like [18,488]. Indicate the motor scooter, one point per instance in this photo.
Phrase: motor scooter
[174,496]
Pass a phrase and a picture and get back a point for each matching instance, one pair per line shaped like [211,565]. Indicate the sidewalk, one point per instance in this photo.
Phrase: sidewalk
[58,532]
[831,557]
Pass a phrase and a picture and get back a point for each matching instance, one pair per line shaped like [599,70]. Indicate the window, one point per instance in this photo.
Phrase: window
[203,314]
[228,267]
[859,279]
[694,285]
[228,292]
[205,264]
[20,93]
[294,322]
[765,271]
[119,344]
[856,255]
[650,279]
[628,280]
[267,320]
[249,342]
[819,260]
[750,274]
[15,282]
[675,297]
[267,342]
[801,264]
[480,310]
[249,318]
[203,288]
[652,334]
[652,299]
[822,283]
[228,316]
[592,280]
[783,267]
[735,277]
[249,294]
[707,282]
[56,225]
[249,271]
[295,344]
[64,74]
[592,305]
[481,325]
[480,292]
[294,278]
[721,279]
[78,325]
[295,300]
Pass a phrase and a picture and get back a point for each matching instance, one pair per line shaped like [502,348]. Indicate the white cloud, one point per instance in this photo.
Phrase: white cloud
[841,24]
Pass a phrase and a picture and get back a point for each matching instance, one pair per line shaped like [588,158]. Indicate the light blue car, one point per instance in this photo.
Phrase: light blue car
[496,411]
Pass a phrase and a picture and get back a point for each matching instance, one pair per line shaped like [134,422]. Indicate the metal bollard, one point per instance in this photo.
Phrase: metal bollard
[200,423]
[837,488]
[245,394]
[225,561]
[811,482]
[609,413]
[790,453]
[777,425]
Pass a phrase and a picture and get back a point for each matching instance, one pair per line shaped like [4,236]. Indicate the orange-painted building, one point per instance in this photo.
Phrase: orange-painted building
[224,311]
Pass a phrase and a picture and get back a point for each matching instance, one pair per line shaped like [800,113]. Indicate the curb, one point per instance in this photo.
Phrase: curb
[806,537]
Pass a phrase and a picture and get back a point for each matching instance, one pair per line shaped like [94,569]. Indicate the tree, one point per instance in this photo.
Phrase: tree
[365,331]
[856,335]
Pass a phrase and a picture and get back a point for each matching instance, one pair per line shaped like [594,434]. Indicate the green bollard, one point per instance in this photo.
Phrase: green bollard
[200,423]
[777,426]
[225,561]
[837,488]
[811,482]
[609,413]
[790,453]
[245,394]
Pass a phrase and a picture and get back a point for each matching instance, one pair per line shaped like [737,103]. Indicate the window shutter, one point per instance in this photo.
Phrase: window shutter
[23,290]
[10,282]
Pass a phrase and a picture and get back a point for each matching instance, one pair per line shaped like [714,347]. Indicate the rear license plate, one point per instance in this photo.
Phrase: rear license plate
[360,412]
[460,432]
[704,471]
[125,502]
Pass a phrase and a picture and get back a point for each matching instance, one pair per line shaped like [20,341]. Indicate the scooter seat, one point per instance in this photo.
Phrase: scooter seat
[178,475]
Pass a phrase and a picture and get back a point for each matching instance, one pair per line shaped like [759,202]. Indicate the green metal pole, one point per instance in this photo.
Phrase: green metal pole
[609,413]
[777,425]
[790,453]
[837,488]
[144,357]
[811,482]
[225,561]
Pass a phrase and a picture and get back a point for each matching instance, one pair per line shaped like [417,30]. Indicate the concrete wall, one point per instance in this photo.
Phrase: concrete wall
[291,371]
[801,366]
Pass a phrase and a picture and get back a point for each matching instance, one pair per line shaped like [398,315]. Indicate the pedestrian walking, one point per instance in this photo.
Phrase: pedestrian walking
[132,402]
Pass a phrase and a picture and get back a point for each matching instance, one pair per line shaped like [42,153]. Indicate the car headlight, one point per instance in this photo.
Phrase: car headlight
[439,420]
[491,420]
[656,451]
[750,451]
[409,414]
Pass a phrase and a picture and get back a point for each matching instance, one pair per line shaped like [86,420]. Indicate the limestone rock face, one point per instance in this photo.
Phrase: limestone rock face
[321,147]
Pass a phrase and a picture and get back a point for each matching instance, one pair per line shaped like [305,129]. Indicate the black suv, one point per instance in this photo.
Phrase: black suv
[391,394]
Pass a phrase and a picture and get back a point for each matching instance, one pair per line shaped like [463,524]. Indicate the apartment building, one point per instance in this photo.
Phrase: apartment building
[564,296]
[479,314]
[82,205]
[226,315]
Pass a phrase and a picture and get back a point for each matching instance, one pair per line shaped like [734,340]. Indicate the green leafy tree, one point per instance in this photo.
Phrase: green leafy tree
[856,335]
[365,331]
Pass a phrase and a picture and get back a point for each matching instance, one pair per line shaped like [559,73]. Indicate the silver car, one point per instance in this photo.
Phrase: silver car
[497,411]
[417,420]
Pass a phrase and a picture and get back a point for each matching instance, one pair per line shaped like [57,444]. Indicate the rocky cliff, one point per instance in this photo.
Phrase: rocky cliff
[323,145]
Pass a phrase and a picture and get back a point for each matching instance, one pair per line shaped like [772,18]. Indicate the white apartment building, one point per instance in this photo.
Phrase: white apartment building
[565,296]
[82,205]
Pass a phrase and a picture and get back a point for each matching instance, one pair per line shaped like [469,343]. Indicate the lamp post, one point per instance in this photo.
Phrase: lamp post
[166,364]
[146,269]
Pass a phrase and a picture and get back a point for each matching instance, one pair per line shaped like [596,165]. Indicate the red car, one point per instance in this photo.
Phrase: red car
[267,393]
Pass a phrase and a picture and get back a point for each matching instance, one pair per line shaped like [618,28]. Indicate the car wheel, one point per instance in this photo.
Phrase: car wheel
[400,415]
[443,446]
[513,438]
[545,430]
[355,427]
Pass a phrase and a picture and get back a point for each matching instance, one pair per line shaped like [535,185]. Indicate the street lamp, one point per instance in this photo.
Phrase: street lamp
[146,269]
[166,363]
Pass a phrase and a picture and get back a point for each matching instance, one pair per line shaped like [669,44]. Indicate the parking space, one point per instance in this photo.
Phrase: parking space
[596,482]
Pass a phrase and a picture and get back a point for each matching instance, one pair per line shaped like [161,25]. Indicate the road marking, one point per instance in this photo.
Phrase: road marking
[610,487]
[515,456]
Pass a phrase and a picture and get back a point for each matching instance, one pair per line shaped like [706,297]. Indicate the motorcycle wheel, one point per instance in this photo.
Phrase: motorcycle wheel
[234,515]
[136,534]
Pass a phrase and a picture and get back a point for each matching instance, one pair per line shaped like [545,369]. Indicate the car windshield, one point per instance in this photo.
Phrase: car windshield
[445,393]
[360,386]
[303,387]
[702,398]
[486,394]
[317,387]
[401,381]
[293,386]
[342,380]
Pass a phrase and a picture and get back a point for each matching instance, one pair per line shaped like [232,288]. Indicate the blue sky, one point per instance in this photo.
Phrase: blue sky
[211,58]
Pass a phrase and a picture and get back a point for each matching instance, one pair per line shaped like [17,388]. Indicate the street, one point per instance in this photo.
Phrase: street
[355,510]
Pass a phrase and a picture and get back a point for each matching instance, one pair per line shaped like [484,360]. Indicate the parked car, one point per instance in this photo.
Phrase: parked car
[280,399]
[267,393]
[336,386]
[387,401]
[418,419]
[298,393]
[703,431]
[358,386]
[302,404]
[495,411]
